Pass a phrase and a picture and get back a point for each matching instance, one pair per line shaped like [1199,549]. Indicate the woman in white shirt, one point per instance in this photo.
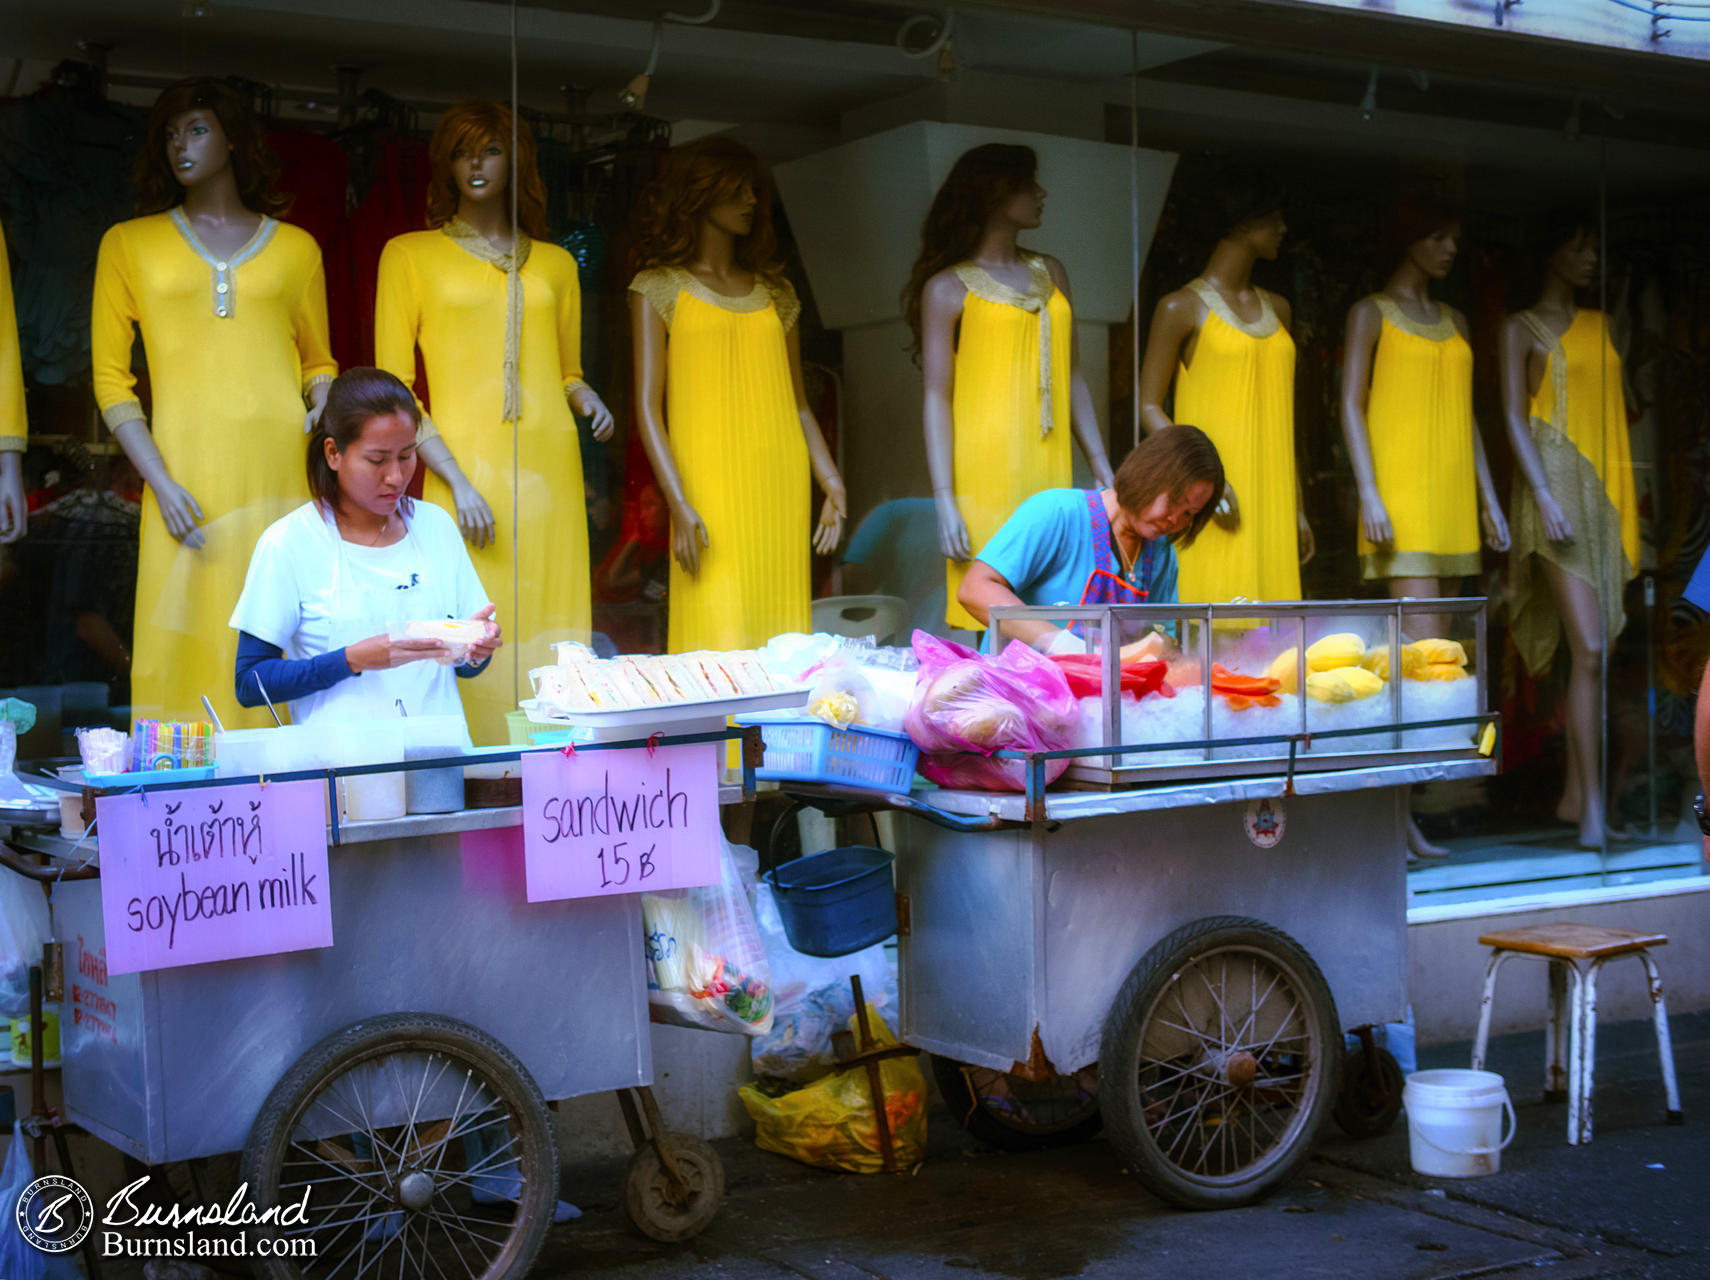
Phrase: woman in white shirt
[332,586]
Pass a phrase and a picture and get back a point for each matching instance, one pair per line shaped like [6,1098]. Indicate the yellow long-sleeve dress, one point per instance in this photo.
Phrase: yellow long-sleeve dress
[233,345]
[1239,390]
[1419,421]
[1011,441]
[14,433]
[1579,427]
[730,410]
[435,292]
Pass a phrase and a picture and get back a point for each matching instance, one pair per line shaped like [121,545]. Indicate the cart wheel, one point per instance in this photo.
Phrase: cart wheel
[388,1130]
[1219,1062]
[1370,1100]
[663,1212]
[1005,1111]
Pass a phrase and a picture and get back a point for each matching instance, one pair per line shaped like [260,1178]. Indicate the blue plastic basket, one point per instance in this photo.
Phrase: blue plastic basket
[836,902]
[808,750]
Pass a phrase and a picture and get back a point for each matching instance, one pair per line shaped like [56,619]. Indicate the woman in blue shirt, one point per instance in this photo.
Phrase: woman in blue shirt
[1100,546]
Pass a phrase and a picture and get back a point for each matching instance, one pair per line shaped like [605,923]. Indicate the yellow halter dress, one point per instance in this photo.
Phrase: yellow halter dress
[1009,405]
[1579,427]
[14,433]
[1419,420]
[233,346]
[730,409]
[1239,390]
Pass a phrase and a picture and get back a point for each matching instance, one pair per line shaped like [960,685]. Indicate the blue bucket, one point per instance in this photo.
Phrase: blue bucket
[836,902]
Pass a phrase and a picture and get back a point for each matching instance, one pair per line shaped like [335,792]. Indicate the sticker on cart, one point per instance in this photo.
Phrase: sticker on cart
[1266,820]
[597,823]
[213,873]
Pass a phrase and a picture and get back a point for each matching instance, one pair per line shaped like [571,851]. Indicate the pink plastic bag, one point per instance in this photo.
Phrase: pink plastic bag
[967,706]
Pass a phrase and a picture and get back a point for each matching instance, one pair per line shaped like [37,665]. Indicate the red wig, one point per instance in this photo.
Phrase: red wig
[692,179]
[469,126]
[253,163]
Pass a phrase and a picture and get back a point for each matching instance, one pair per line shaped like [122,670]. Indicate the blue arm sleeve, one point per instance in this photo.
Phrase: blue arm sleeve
[463,673]
[286,679]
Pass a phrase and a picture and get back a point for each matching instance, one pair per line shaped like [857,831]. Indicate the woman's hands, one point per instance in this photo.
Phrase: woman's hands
[382,653]
[586,401]
[484,649]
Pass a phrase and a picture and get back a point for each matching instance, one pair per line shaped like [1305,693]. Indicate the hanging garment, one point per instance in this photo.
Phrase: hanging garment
[14,430]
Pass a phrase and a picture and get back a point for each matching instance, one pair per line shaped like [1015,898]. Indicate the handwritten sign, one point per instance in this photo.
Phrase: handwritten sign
[608,822]
[213,873]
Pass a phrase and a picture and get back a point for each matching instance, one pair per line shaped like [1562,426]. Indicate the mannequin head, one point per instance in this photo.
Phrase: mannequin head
[362,453]
[1567,242]
[471,156]
[1170,483]
[199,131]
[711,183]
[1248,211]
[1424,231]
[994,183]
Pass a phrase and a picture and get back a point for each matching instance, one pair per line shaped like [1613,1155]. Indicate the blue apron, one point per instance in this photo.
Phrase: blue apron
[1105,585]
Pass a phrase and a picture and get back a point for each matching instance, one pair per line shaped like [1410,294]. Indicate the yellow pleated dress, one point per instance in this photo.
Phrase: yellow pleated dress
[1579,427]
[1008,445]
[14,432]
[1419,421]
[434,293]
[233,345]
[1239,390]
[730,410]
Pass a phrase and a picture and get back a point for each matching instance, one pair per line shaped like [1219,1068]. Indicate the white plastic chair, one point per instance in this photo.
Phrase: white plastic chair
[880,617]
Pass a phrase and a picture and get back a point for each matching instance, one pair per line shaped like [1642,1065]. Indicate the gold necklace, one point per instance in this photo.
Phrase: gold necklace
[374,542]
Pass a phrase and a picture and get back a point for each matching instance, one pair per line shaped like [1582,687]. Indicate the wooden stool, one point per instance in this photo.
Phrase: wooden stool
[1577,951]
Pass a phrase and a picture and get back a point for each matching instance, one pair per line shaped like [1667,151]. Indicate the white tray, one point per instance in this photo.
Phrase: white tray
[664,715]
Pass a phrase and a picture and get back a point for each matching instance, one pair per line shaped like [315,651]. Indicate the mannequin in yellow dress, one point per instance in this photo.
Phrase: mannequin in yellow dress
[14,431]
[722,408]
[498,322]
[1575,513]
[232,309]
[1408,422]
[994,328]
[1226,344]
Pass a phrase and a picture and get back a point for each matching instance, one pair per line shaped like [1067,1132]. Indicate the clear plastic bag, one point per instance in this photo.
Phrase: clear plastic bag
[706,967]
[24,926]
[20,1260]
[968,705]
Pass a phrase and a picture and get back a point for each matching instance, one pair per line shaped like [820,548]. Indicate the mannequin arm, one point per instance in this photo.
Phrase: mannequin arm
[648,339]
[836,508]
[14,509]
[178,508]
[1517,344]
[1490,506]
[583,398]
[1081,416]
[1365,323]
[1174,323]
[940,307]
[474,516]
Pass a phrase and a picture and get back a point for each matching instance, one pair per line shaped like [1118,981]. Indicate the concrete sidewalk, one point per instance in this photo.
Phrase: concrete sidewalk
[1570,1213]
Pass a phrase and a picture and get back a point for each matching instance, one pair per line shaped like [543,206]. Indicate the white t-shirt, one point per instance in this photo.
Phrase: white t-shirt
[310,592]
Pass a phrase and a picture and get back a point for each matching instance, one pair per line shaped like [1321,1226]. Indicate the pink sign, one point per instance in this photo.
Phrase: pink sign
[213,873]
[606,822]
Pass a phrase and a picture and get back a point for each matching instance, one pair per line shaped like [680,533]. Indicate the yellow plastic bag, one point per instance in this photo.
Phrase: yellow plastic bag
[829,1123]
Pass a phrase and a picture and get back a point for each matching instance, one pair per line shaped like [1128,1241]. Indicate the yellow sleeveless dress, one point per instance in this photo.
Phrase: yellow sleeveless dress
[1579,427]
[435,292]
[233,345]
[1011,418]
[1240,392]
[730,409]
[1419,420]
[14,433]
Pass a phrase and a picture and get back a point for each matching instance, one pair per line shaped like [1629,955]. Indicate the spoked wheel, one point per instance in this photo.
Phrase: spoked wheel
[1219,1062]
[1370,1099]
[1006,1111]
[666,1210]
[423,1147]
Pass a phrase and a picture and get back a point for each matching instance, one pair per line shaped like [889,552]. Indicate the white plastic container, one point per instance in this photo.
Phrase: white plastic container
[434,738]
[291,748]
[371,797]
[1454,1122]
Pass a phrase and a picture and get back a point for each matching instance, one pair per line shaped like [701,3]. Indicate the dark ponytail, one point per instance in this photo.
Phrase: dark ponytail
[356,396]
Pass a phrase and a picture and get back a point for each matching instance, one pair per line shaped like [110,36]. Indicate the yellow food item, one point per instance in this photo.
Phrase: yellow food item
[1285,670]
[1487,739]
[1439,651]
[1344,649]
[1345,684]
[1439,671]
[1376,661]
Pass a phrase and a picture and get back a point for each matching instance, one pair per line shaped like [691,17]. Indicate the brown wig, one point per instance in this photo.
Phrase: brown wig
[1414,216]
[979,181]
[469,126]
[692,179]
[253,163]
[355,397]
[1168,461]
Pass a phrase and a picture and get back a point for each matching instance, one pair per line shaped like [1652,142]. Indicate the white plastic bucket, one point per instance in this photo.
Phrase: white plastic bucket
[1454,1122]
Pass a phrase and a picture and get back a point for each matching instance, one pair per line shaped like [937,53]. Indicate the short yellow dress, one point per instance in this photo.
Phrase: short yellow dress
[14,432]
[445,291]
[1011,418]
[233,346]
[1239,390]
[730,409]
[1579,427]
[1419,420]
